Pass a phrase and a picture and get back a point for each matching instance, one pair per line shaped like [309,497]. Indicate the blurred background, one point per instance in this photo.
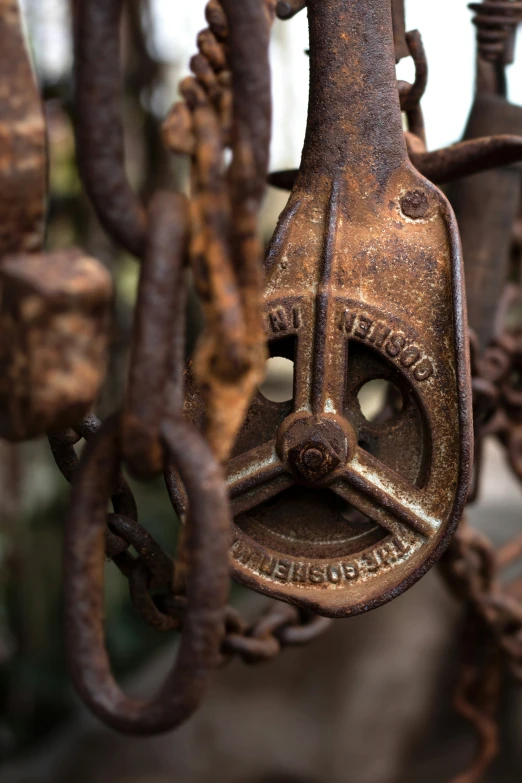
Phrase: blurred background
[368,703]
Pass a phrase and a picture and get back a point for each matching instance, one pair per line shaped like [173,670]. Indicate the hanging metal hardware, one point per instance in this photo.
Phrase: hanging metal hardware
[54,308]
[150,431]
[366,509]
[332,513]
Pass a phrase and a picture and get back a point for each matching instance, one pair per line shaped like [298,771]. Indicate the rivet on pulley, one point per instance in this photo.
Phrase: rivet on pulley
[415,204]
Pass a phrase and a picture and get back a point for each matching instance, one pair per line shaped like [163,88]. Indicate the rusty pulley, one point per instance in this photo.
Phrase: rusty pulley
[364,283]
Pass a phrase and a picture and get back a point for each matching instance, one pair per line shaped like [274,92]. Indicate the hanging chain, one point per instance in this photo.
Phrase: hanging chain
[478,573]
[225,110]
[227,105]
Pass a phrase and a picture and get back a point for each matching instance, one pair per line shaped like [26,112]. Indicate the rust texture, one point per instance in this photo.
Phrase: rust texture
[364,282]
[158,338]
[226,250]
[310,501]
[487,204]
[53,307]
[99,125]
[207,588]
[54,319]
[399,30]
[286,9]
[149,434]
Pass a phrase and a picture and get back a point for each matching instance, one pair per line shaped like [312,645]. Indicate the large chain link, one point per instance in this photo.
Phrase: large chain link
[151,573]
[227,105]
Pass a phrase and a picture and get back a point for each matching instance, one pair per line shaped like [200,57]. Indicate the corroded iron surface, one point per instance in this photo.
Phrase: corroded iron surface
[336,510]
[54,308]
[364,282]
[206,594]
[226,250]
[54,321]
[150,434]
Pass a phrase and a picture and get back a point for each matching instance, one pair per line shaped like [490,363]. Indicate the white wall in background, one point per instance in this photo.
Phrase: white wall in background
[48,23]
[449,38]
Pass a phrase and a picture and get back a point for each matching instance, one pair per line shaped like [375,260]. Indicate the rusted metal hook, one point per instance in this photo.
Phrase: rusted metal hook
[203,627]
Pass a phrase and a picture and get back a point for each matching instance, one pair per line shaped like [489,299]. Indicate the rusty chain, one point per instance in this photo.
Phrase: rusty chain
[226,106]
[151,569]
[474,569]
[225,257]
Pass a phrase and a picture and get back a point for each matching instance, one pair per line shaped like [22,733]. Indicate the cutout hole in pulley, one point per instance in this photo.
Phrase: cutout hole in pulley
[380,401]
[278,383]
[364,444]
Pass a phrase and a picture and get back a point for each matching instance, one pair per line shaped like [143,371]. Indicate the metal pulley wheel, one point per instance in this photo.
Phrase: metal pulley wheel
[333,511]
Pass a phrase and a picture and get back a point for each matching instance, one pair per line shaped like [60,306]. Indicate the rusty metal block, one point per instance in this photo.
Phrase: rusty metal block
[54,313]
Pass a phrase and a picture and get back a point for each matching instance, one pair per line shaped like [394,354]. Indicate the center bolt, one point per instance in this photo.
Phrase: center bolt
[313,458]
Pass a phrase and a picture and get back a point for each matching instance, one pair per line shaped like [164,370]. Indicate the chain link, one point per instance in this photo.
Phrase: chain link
[152,570]
[227,104]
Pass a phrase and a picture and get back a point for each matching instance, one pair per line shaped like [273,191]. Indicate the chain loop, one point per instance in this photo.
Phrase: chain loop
[227,103]
[207,585]
[154,389]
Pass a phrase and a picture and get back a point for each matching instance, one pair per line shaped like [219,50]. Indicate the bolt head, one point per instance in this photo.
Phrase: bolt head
[313,458]
[312,447]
